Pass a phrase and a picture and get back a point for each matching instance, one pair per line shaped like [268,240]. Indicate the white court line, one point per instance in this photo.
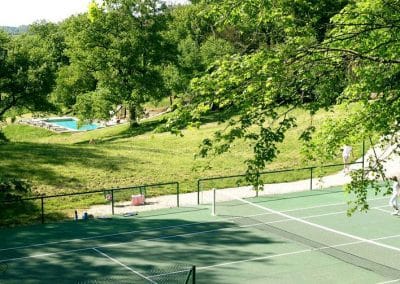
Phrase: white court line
[287,253]
[304,217]
[157,238]
[113,245]
[317,225]
[386,211]
[167,227]
[341,212]
[102,236]
[390,281]
[252,259]
[179,235]
[124,265]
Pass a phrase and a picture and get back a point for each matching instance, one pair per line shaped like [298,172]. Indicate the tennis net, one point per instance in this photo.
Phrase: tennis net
[358,251]
[171,275]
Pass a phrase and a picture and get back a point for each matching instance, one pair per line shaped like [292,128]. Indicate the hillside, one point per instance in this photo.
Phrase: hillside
[66,162]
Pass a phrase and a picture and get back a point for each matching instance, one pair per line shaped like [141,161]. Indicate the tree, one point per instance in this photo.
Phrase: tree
[364,38]
[198,45]
[257,81]
[94,105]
[292,61]
[12,189]
[76,76]
[28,70]
[121,47]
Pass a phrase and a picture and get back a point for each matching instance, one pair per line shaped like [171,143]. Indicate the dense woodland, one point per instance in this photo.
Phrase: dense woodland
[248,57]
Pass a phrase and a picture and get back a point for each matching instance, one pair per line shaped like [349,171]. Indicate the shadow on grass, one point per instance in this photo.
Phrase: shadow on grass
[40,161]
[27,212]
[156,124]
[3,138]
[91,251]
[132,131]
[221,115]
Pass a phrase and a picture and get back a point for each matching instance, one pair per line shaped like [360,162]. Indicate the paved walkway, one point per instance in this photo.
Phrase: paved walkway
[391,166]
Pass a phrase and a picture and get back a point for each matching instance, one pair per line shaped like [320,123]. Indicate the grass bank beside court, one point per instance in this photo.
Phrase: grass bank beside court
[62,163]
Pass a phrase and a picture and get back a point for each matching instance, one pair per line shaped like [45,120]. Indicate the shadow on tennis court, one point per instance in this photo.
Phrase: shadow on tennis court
[100,250]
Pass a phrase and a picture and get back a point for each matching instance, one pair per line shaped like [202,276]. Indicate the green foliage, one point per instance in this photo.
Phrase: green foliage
[215,48]
[72,80]
[11,189]
[358,187]
[198,42]
[190,57]
[94,105]
[3,138]
[94,11]
[300,54]
[28,69]
[364,40]
[120,48]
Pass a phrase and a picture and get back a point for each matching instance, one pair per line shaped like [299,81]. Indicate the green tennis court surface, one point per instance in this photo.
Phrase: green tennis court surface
[295,238]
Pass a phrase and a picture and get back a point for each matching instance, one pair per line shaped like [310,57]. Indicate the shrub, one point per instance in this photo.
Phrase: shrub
[11,189]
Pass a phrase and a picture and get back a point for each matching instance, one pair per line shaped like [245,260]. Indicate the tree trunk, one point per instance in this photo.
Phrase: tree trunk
[133,115]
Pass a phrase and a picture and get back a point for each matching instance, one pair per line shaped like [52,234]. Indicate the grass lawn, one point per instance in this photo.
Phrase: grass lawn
[64,163]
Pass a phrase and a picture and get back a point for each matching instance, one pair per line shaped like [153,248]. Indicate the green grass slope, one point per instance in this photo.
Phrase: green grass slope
[59,163]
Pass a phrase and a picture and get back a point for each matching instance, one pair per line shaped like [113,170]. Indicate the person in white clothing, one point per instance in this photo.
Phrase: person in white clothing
[395,193]
[347,153]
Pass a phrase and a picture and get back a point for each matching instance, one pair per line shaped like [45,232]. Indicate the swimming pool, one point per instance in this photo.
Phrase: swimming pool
[72,124]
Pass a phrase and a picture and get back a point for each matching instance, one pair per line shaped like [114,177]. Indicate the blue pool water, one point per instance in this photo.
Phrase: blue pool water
[72,124]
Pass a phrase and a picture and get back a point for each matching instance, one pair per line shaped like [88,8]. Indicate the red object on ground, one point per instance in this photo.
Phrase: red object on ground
[137,200]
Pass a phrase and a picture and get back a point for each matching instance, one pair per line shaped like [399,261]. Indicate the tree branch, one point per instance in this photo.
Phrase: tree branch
[358,54]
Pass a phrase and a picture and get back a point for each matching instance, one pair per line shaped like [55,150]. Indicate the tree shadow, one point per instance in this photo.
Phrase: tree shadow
[219,115]
[132,131]
[19,213]
[40,161]
[155,125]
[3,138]
[148,246]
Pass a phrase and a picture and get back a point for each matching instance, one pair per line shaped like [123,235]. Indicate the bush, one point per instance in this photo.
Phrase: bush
[3,138]
[11,189]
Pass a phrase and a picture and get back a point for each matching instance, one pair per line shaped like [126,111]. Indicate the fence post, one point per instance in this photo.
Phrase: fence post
[214,192]
[194,274]
[363,161]
[42,206]
[177,194]
[112,201]
[311,177]
[198,192]
[363,154]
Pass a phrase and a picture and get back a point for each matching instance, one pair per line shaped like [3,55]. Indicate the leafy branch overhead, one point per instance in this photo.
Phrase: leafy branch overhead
[352,57]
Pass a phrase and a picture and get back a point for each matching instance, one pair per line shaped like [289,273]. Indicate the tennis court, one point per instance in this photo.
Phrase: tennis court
[293,238]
